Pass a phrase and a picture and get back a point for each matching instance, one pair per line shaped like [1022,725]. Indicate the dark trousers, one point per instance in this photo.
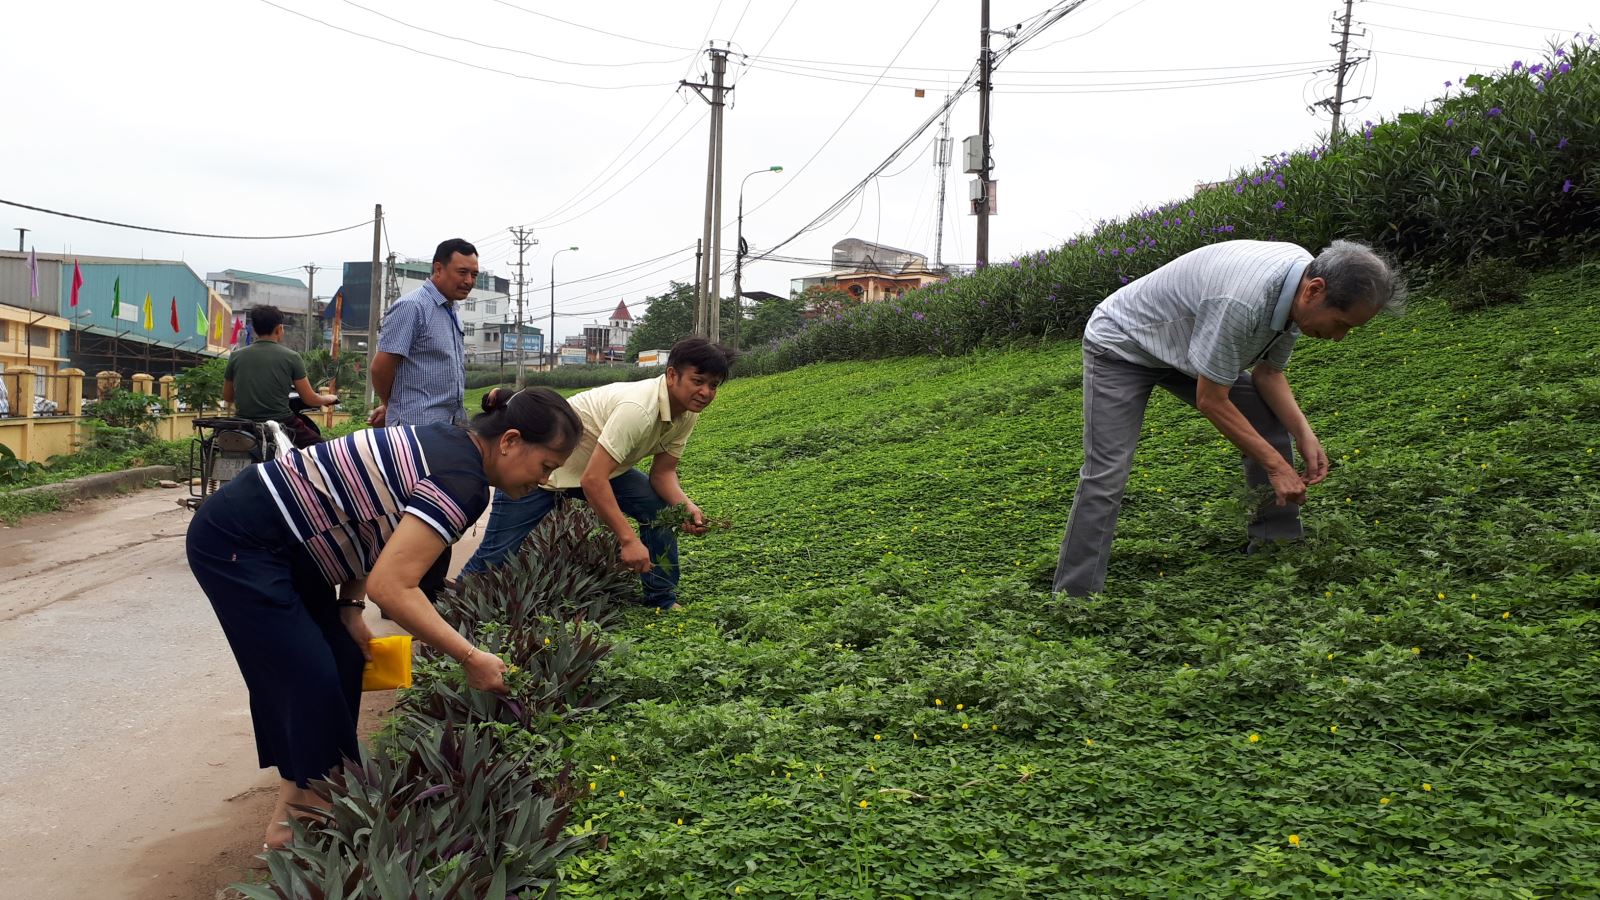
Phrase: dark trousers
[1115,393]
[301,666]
[510,522]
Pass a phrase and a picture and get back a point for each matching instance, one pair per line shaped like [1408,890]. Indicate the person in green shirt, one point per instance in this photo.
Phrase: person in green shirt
[258,378]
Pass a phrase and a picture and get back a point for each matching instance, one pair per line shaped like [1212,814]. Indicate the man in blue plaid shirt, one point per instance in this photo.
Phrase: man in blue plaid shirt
[420,370]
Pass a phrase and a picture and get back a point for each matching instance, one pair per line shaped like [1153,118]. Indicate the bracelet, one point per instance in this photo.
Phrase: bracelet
[352,604]
[469,655]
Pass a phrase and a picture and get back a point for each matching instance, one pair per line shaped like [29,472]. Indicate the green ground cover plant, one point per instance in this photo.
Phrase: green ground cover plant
[1504,165]
[871,693]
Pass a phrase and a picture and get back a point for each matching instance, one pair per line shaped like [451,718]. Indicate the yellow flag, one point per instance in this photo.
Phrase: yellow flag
[149,314]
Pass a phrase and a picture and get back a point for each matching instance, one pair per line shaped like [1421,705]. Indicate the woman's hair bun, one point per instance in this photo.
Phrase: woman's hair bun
[497,399]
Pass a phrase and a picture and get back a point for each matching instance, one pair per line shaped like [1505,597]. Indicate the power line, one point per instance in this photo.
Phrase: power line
[565,62]
[636,177]
[1099,87]
[839,67]
[460,62]
[848,116]
[624,37]
[1440,12]
[220,237]
[1451,37]
[580,193]
[1459,62]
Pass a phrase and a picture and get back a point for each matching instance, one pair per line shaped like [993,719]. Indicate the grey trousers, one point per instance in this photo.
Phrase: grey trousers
[1115,393]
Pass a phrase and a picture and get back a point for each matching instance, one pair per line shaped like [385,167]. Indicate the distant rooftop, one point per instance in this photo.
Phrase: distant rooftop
[241,275]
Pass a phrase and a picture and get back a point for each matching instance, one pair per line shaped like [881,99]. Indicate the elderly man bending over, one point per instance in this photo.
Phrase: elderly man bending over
[1214,327]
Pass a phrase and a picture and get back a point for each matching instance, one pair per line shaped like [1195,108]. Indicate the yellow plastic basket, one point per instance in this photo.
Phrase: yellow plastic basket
[390,666]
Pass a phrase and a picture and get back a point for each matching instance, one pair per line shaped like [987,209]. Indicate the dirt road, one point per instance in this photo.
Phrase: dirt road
[127,765]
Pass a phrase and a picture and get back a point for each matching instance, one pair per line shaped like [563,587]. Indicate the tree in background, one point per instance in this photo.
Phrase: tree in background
[775,318]
[200,387]
[669,318]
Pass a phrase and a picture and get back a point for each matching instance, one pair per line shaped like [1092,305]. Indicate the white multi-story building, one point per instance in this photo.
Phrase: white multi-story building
[487,315]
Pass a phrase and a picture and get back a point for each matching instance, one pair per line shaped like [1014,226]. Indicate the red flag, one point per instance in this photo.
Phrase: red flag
[77,282]
[175,328]
[238,326]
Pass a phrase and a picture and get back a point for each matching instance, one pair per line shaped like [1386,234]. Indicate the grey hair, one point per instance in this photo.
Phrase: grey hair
[1355,273]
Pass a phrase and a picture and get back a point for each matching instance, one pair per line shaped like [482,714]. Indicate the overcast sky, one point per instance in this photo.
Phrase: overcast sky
[242,117]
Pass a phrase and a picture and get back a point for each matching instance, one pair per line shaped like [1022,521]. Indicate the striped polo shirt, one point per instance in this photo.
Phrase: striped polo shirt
[343,498]
[1213,312]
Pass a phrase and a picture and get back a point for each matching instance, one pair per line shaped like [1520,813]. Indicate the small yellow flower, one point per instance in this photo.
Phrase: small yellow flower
[915,736]
[1474,596]
[1330,657]
[1383,801]
[622,794]
[863,804]
[937,702]
[1470,657]
[592,785]
[1088,742]
[739,889]
[877,737]
[1506,614]
[994,727]
[1441,595]
[680,821]
[613,757]
[1416,651]
[965,726]
[547,642]
[1333,729]
[1327,593]
[1255,738]
[1426,786]
[960,707]
[1294,840]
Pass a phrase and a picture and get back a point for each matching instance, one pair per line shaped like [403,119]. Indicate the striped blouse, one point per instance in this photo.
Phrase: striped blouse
[343,498]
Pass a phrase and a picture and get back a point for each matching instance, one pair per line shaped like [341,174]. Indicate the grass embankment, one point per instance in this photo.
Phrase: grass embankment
[869,693]
[14,507]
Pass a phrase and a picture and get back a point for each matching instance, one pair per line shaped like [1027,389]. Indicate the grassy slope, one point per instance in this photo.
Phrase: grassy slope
[896,522]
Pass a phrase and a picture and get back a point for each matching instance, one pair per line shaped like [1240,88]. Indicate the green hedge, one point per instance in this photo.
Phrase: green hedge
[1506,165]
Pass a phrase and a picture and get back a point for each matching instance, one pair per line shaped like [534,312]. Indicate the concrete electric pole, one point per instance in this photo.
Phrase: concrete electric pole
[374,299]
[311,301]
[524,239]
[1347,64]
[985,87]
[708,280]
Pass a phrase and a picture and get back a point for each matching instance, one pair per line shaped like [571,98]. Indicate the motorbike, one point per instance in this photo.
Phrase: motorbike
[223,447]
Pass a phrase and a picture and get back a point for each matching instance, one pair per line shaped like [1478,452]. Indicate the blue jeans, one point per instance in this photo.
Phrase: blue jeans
[511,521]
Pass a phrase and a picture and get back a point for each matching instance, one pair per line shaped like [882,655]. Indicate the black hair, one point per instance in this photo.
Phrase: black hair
[711,359]
[452,247]
[264,320]
[538,414]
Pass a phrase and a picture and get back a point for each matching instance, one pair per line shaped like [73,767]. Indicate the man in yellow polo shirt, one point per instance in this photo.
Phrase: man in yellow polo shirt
[624,423]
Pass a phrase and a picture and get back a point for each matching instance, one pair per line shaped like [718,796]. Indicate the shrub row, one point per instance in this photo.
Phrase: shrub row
[466,794]
[1506,165]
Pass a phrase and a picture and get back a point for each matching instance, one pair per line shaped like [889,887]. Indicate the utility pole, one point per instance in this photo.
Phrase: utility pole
[524,240]
[374,299]
[708,277]
[941,162]
[22,235]
[986,70]
[311,301]
[554,358]
[1337,102]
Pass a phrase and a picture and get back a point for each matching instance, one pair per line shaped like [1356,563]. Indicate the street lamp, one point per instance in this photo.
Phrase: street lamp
[552,335]
[738,257]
